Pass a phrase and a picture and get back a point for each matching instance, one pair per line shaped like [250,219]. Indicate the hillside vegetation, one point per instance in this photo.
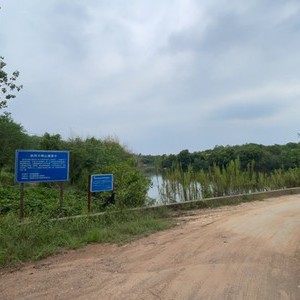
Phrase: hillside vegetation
[87,156]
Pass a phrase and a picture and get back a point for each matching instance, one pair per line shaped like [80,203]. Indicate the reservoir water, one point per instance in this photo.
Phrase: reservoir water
[153,193]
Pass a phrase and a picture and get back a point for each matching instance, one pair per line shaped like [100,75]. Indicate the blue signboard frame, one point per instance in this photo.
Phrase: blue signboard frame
[102,183]
[41,166]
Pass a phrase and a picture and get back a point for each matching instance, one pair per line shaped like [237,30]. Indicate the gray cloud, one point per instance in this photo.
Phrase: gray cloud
[249,111]
[161,76]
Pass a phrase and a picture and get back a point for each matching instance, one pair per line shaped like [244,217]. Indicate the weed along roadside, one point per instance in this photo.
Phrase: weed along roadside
[198,204]
[193,204]
[42,237]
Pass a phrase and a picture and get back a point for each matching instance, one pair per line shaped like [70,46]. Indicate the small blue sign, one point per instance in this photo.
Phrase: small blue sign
[102,183]
[41,166]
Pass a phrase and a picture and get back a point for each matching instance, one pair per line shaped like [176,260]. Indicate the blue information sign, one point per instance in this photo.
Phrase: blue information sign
[41,166]
[102,183]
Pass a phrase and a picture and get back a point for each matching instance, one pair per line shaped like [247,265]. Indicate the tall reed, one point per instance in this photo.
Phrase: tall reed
[179,185]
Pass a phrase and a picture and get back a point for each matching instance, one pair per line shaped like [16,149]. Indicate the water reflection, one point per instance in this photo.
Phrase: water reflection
[153,192]
[163,191]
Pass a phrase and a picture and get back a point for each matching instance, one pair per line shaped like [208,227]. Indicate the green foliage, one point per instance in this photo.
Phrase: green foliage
[89,156]
[265,158]
[131,187]
[8,84]
[6,178]
[92,156]
[12,137]
[42,237]
[51,142]
[42,201]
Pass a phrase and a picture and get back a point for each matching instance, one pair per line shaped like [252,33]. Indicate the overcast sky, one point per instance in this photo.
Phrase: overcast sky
[160,75]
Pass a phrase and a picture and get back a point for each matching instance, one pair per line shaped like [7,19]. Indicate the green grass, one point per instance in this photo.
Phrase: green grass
[41,237]
[42,201]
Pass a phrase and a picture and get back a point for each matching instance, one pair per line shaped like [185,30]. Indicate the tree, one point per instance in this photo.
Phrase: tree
[12,137]
[94,156]
[8,85]
[51,142]
[185,159]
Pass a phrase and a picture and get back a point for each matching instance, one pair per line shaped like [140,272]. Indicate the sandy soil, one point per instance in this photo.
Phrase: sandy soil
[250,251]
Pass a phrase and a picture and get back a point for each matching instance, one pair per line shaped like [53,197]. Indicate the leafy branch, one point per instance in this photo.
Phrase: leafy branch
[8,84]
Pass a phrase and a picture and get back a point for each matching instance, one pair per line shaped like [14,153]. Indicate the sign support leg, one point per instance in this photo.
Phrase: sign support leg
[21,202]
[89,193]
[61,198]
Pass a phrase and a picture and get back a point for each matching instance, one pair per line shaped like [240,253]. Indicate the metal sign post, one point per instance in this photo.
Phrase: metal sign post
[89,193]
[61,195]
[21,202]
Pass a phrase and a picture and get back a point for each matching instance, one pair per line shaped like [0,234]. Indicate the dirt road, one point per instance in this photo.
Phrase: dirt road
[250,251]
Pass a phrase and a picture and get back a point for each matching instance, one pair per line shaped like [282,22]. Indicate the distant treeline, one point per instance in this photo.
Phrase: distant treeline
[263,158]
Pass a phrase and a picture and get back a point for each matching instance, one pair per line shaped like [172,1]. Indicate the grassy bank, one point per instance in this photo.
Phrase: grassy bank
[42,237]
